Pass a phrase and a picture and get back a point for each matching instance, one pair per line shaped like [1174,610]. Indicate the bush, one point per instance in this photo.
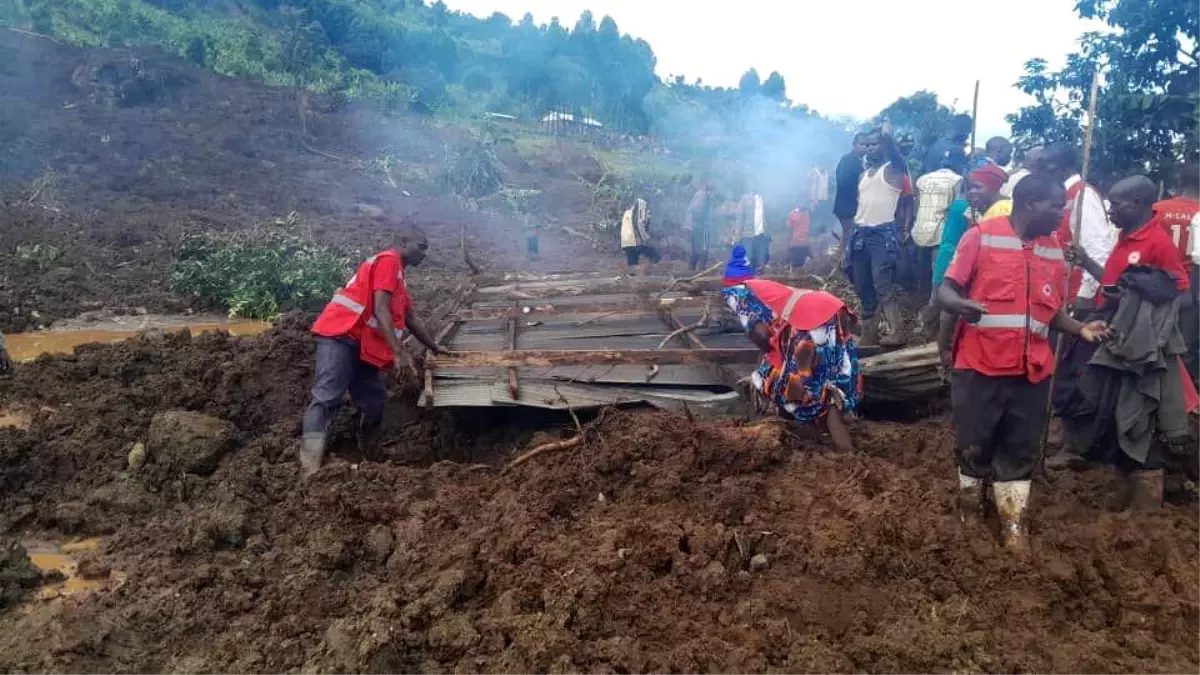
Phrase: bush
[260,273]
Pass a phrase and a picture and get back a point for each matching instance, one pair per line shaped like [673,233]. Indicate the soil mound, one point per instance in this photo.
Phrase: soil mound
[658,544]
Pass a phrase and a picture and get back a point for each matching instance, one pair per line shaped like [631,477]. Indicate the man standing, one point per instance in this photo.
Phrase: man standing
[952,144]
[1180,215]
[635,236]
[799,245]
[845,200]
[358,335]
[999,151]
[1030,164]
[935,192]
[698,222]
[1061,161]
[873,250]
[1006,284]
[1157,406]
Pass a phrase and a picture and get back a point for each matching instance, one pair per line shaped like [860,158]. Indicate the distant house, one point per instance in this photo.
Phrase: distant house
[560,123]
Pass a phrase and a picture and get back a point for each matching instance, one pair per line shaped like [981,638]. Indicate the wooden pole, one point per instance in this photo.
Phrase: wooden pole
[1076,225]
[974,117]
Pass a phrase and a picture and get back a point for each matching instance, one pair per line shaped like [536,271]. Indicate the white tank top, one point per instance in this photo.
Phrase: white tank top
[877,199]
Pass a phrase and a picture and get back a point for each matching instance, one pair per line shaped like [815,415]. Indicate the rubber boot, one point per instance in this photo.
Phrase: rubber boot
[870,336]
[1011,500]
[1146,493]
[369,437]
[895,319]
[970,499]
[312,453]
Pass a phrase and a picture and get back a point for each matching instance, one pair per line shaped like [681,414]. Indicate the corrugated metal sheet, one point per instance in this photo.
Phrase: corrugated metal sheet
[550,395]
[667,375]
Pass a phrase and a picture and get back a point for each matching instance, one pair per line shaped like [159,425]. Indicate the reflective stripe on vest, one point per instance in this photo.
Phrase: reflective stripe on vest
[339,299]
[1004,243]
[374,323]
[1012,322]
[791,303]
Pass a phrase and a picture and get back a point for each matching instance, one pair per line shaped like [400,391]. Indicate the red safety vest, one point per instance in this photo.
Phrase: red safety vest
[1020,284]
[353,306]
[1066,237]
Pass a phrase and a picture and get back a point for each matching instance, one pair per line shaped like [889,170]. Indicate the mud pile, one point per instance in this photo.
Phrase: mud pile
[659,544]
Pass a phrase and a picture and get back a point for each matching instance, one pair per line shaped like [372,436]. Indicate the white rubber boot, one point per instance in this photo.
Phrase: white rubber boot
[1011,499]
[312,453]
[970,498]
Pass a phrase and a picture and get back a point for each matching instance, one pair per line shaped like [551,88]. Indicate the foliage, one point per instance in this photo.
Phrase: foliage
[42,256]
[258,273]
[921,115]
[1147,115]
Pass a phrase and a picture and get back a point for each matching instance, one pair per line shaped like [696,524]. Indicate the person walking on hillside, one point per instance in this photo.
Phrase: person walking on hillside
[1007,286]
[845,199]
[799,242]
[1061,161]
[358,336]
[699,224]
[635,236]
[873,250]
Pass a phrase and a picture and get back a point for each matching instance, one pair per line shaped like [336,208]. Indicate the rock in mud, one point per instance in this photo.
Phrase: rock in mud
[759,563]
[189,442]
[17,573]
[137,456]
[379,543]
[91,567]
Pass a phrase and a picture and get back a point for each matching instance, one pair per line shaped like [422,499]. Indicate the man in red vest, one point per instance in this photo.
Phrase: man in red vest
[1007,283]
[359,334]
[1084,204]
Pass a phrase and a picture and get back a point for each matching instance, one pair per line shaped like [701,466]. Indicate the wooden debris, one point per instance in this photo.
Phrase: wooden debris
[553,357]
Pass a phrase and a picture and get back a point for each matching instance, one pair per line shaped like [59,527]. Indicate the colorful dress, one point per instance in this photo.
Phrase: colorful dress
[806,371]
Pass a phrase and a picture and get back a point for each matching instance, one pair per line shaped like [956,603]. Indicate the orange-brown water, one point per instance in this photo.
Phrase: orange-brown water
[24,346]
[63,558]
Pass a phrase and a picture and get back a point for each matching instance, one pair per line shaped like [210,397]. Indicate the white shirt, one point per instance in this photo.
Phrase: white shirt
[877,199]
[935,191]
[1095,233]
[760,226]
[1006,190]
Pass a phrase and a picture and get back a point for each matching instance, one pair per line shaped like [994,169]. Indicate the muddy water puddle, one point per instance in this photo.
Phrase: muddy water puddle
[25,346]
[64,558]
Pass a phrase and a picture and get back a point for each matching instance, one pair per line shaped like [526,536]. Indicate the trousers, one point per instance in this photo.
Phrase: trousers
[699,247]
[873,255]
[998,423]
[340,370]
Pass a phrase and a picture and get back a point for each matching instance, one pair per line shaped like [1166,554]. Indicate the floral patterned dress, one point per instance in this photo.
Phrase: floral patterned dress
[809,370]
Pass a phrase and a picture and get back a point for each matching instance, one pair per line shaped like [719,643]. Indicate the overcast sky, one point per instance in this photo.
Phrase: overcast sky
[841,57]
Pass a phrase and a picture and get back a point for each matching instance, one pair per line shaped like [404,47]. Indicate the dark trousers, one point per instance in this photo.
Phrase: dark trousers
[925,256]
[873,267]
[699,247]
[633,254]
[799,255]
[758,250]
[998,423]
[340,370]
[1189,324]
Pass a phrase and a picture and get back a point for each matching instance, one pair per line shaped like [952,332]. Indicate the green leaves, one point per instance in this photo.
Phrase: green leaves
[259,273]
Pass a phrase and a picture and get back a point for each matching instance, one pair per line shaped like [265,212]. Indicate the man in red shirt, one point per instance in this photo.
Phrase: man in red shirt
[1007,283]
[359,334]
[799,247]
[1142,239]
[1180,216]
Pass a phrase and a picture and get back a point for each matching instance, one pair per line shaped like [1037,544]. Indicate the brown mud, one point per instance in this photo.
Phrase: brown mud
[659,543]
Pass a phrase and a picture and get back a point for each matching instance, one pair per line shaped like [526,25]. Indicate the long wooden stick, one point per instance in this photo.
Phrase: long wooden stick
[974,117]
[1076,226]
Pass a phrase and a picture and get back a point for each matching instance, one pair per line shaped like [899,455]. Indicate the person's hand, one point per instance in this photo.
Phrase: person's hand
[946,356]
[970,310]
[1076,256]
[5,362]
[1095,332]
[406,363]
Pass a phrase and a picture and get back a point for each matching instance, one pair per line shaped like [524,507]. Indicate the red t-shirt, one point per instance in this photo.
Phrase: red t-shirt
[798,224]
[1176,217]
[387,274]
[1150,246]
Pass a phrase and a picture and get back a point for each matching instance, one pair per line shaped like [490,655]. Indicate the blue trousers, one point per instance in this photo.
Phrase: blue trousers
[340,370]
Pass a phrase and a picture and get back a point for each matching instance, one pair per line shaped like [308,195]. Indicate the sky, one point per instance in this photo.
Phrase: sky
[841,57]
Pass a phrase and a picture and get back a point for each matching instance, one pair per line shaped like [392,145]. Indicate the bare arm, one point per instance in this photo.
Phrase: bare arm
[1063,323]
[418,330]
[951,299]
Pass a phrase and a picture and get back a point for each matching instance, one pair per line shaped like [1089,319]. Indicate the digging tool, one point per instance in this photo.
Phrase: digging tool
[1076,224]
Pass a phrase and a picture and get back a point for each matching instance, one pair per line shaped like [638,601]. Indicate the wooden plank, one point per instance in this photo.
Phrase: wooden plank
[546,357]
[514,386]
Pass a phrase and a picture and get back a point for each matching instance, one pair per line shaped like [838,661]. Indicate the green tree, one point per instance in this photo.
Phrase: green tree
[774,88]
[1148,111]
[750,83]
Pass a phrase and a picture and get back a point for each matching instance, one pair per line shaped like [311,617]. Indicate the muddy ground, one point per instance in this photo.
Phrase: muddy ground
[635,551]
[659,543]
